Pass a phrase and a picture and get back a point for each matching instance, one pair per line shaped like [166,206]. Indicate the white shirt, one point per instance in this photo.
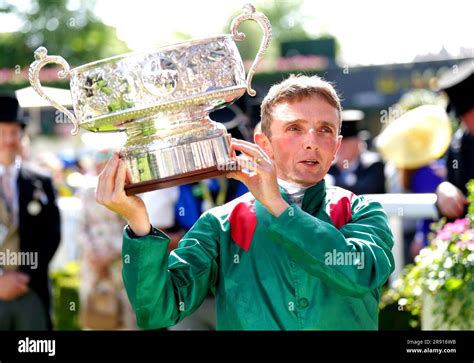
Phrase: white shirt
[160,205]
[295,192]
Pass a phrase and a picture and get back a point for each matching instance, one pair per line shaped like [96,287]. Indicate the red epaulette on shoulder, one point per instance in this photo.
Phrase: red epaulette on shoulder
[339,205]
[243,222]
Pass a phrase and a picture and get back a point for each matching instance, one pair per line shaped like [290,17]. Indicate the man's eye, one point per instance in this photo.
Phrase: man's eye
[326,130]
[293,128]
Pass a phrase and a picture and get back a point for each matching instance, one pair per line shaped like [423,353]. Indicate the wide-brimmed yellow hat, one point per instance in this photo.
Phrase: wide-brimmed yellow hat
[416,138]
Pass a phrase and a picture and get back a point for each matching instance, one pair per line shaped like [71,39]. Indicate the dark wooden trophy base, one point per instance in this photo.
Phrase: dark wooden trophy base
[175,180]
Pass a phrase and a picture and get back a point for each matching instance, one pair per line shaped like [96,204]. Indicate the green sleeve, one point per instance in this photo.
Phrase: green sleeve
[312,243]
[164,288]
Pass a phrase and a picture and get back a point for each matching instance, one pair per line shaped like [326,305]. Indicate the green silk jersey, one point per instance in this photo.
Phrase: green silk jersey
[320,266]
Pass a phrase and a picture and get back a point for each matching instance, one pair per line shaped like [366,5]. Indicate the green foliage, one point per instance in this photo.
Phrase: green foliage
[66,303]
[394,315]
[13,86]
[269,78]
[75,34]
[418,97]
[470,199]
[287,23]
[444,269]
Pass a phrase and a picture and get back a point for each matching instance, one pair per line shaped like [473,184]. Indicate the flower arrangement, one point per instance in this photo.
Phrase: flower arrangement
[444,273]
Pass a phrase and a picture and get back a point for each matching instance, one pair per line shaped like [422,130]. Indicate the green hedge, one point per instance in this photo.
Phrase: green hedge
[66,304]
[5,87]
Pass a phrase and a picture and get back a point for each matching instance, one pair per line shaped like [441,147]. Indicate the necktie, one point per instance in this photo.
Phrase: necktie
[7,190]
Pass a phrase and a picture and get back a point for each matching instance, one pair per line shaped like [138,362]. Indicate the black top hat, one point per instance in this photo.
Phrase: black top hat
[234,119]
[351,122]
[458,83]
[10,110]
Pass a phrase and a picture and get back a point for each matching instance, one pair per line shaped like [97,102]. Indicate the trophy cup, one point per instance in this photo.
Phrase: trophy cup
[162,99]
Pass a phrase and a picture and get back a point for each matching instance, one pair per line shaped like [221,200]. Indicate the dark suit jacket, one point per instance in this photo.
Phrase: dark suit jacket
[39,233]
[370,175]
[460,163]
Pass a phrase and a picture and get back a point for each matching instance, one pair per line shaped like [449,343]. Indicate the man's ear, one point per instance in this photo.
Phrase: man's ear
[264,142]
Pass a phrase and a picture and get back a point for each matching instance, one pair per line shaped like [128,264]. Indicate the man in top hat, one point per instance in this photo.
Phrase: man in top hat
[29,229]
[458,84]
[356,169]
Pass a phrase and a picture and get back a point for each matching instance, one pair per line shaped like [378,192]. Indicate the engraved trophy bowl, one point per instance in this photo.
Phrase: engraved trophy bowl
[162,99]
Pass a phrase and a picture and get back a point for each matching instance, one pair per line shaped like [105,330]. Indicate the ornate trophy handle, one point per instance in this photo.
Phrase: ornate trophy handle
[42,58]
[262,20]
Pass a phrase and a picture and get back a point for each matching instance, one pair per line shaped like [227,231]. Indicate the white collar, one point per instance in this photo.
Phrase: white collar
[14,167]
[291,188]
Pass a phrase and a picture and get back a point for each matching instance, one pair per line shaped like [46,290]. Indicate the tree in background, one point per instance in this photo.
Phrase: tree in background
[67,28]
[287,21]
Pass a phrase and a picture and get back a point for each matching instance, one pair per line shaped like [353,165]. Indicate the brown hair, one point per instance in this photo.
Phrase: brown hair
[296,88]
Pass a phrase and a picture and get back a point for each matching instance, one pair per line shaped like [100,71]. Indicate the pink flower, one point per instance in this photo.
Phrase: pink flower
[443,235]
[449,229]
[465,244]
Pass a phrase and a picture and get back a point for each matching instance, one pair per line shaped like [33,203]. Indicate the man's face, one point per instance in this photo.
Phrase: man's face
[304,140]
[10,141]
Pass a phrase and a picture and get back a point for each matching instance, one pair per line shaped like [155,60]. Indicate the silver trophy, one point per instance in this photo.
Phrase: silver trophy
[162,99]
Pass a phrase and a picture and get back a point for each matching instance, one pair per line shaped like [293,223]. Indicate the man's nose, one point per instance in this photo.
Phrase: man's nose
[311,140]
[8,141]
[8,138]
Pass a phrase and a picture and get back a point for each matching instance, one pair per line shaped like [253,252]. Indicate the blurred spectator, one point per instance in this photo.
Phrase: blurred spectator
[25,147]
[235,121]
[408,101]
[55,166]
[414,142]
[356,169]
[161,206]
[29,224]
[104,304]
[458,84]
